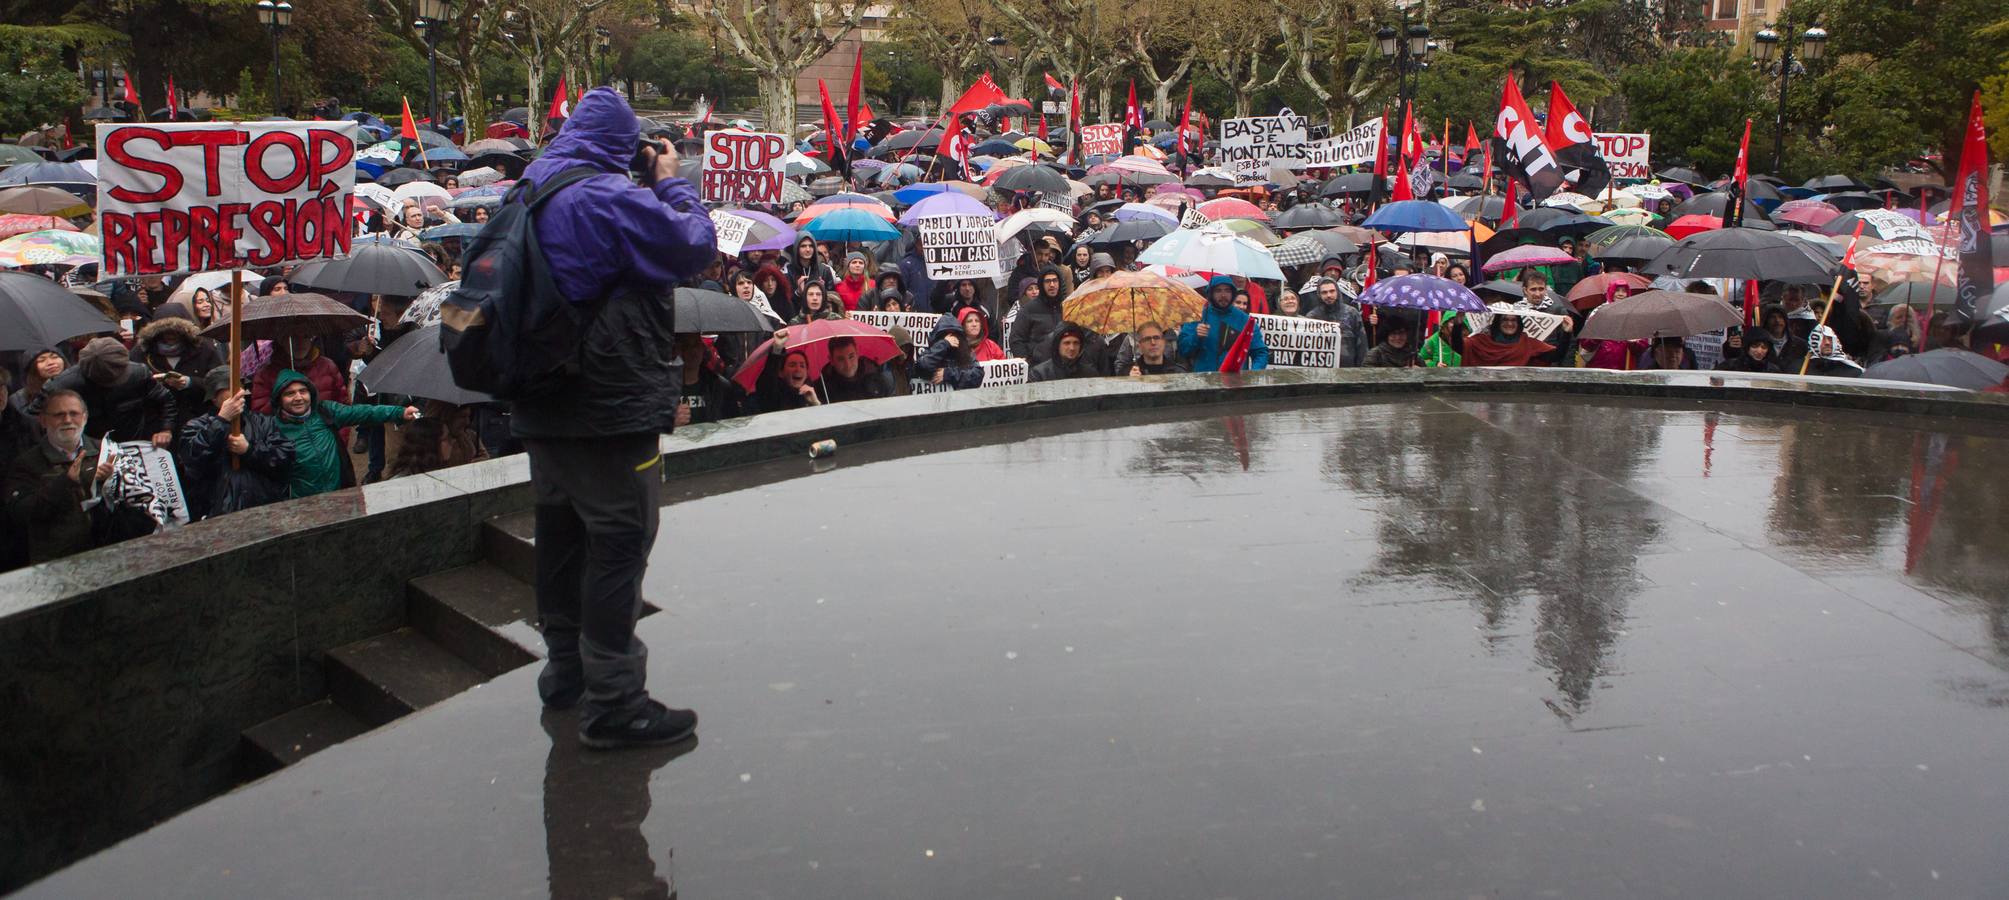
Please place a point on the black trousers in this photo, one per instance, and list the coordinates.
(598, 507)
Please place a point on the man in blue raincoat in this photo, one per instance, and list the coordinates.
(594, 464)
(1206, 342)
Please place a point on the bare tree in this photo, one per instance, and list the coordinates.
(950, 32)
(1235, 47)
(1314, 37)
(781, 38)
(464, 39)
(541, 32)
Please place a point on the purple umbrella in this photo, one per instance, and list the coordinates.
(1423, 292)
(1526, 255)
(781, 238)
(947, 203)
(868, 165)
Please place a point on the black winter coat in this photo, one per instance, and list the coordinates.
(134, 409)
(628, 378)
(213, 486)
(1032, 330)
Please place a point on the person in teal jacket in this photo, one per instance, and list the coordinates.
(312, 423)
(1205, 342)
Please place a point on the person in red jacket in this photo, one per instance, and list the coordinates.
(305, 357)
(856, 281)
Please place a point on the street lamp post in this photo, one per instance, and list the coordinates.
(604, 40)
(1767, 44)
(431, 14)
(276, 17)
(1406, 50)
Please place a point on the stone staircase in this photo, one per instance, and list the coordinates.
(462, 627)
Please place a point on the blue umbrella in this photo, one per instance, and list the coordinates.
(946, 204)
(915, 193)
(851, 225)
(995, 147)
(1416, 215)
(437, 155)
(48, 173)
(1213, 249)
(1423, 292)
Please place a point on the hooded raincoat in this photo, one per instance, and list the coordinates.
(317, 453)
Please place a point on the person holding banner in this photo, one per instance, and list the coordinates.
(225, 472)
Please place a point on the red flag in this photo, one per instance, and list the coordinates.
(852, 100)
(1051, 84)
(1733, 211)
(174, 109)
(1237, 355)
(865, 114)
(1042, 124)
(1402, 189)
(1510, 210)
(833, 131)
(1073, 118)
(1132, 116)
(1185, 118)
(1381, 149)
(981, 94)
(1570, 139)
(1969, 206)
(1471, 140)
(561, 104)
(1526, 154)
(406, 129)
(1373, 263)
(578, 94)
(132, 96)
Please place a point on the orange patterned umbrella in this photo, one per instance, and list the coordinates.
(1125, 300)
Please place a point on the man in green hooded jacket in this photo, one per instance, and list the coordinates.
(312, 424)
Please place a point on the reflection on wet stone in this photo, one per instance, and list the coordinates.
(1440, 647)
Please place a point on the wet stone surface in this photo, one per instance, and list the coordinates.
(1430, 648)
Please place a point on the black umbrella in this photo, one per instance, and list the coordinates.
(1543, 225)
(518, 114)
(1688, 177)
(415, 366)
(1467, 181)
(1308, 215)
(710, 312)
(183, 114)
(372, 269)
(279, 316)
(1832, 183)
(396, 177)
(1713, 205)
(1142, 228)
(36, 313)
(1489, 208)
(1741, 253)
(1632, 250)
(1851, 201)
(1502, 287)
(1350, 184)
(509, 164)
(1947, 366)
(1031, 178)
(107, 114)
(907, 140)
(1158, 125)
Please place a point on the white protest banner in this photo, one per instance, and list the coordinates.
(221, 195)
(144, 478)
(1537, 325)
(959, 246)
(1052, 108)
(1248, 145)
(731, 231)
(1355, 147)
(1010, 370)
(1626, 155)
(743, 167)
(917, 324)
(1297, 343)
(1102, 139)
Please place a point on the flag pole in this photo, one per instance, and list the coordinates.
(1925, 334)
(236, 351)
(1834, 298)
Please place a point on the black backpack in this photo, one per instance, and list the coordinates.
(505, 330)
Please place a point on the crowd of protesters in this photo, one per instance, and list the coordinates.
(296, 424)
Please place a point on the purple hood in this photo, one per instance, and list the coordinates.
(607, 234)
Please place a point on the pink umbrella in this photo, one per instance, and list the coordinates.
(1139, 164)
(19, 223)
(812, 340)
(1808, 213)
(1524, 256)
(1180, 189)
(1232, 208)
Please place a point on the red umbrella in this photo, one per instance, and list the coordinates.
(1808, 213)
(20, 223)
(813, 341)
(1232, 208)
(1590, 291)
(1692, 224)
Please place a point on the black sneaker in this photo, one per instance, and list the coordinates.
(655, 725)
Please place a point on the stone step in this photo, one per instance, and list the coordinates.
(508, 543)
(382, 678)
(480, 613)
(286, 739)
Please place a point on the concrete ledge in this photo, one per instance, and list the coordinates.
(127, 673)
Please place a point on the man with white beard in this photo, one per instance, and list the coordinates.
(49, 482)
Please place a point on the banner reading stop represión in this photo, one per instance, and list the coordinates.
(223, 195)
